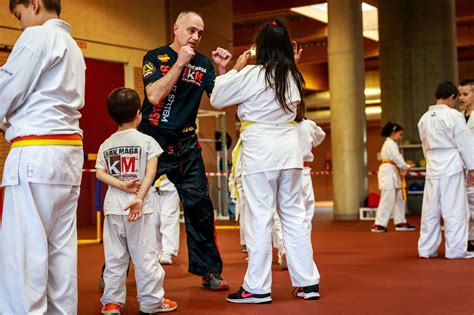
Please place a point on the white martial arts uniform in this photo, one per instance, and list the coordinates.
(41, 91)
(271, 176)
(310, 136)
(236, 190)
(470, 189)
(447, 146)
(390, 185)
(124, 155)
(166, 216)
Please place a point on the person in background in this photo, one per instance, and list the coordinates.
(466, 98)
(166, 219)
(448, 148)
(392, 182)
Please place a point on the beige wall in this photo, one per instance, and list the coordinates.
(114, 30)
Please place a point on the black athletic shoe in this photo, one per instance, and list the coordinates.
(244, 297)
(378, 228)
(308, 293)
(470, 246)
(404, 227)
(214, 282)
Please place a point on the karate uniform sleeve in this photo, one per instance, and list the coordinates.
(464, 142)
(397, 157)
(18, 78)
(316, 132)
(228, 90)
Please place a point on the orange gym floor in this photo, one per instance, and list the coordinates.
(361, 273)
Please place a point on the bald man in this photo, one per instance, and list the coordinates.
(175, 77)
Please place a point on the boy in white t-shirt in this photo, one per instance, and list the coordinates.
(127, 162)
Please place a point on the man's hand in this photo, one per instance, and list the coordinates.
(470, 177)
(185, 54)
(297, 52)
(242, 61)
(135, 208)
(131, 186)
(221, 57)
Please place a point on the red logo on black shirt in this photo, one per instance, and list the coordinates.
(194, 74)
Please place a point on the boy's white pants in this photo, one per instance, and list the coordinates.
(38, 258)
(470, 198)
(137, 240)
(166, 218)
(391, 201)
(265, 192)
(446, 198)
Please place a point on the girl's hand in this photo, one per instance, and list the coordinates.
(242, 61)
(297, 52)
(131, 186)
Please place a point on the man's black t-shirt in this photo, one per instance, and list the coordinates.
(179, 109)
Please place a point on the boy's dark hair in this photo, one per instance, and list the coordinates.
(123, 105)
(445, 90)
(389, 128)
(467, 82)
(50, 5)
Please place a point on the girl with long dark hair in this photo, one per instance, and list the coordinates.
(268, 94)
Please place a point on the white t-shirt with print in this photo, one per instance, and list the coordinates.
(124, 156)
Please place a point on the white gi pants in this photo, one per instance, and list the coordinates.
(308, 196)
(241, 208)
(137, 239)
(391, 201)
(446, 198)
(308, 200)
(39, 248)
(470, 198)
(166, 218)
(265, 192)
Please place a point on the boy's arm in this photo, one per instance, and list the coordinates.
(136, 205)
(131, 186)
(18, 81)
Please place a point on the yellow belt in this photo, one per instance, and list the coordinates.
(67, 140)
(160, 179)
(404, 182)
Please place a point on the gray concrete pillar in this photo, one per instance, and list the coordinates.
(348, 127)
(417, 51)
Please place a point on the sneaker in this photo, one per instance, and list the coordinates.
(101, 284)
(244, 249)
(111, 308)
(308, 293)
(167, 306)
(282, 260)
(378, 229)
(214, 282)
(165, 258)
(470, 246)
(244, 297)
(404, 227)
